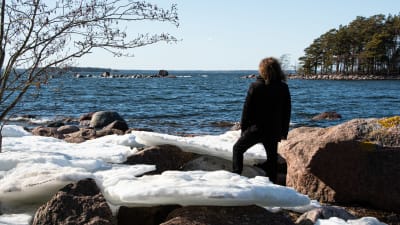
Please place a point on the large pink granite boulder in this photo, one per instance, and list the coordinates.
(354, 162)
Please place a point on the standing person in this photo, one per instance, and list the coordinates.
(265, 116)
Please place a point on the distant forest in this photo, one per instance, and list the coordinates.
(366, 46)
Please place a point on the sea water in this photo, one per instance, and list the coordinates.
(202, 102)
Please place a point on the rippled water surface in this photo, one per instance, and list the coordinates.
(202, 102)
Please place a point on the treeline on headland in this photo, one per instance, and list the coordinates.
(366, 46)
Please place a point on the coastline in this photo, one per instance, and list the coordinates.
(106, 150)
(342, 77)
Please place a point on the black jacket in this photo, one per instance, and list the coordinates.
(267, 109)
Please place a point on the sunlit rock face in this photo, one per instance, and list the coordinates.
(77, 203)
(354, 162)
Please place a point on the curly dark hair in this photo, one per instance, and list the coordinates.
(270, 69)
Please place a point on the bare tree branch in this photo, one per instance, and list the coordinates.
(37, 35)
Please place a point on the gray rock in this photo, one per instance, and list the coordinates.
(103, 118)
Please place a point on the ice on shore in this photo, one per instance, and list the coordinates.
(214, 145)
(33, 168)
(361, 221)
(15, 219)
(14, 131)
(201, 188)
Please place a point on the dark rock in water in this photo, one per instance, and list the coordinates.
(118, 125)
(162, 73)
(223, 124)
(87, 116)
(77, 203)
(249, 76)
(165, 157)
(106, 74)
(327, 116)
(103, 118)
(324, 212)
(217, 215)
(28, 116)
(144, 215)
(353, 162)
(55, 124)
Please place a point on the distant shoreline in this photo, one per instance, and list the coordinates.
(342, 77)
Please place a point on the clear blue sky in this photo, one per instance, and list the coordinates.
(236, 34)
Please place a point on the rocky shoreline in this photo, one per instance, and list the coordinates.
(350, 168)
(160, 74)
(342, 77)
(333, 77)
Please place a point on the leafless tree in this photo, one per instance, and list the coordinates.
(285, 61)
(38, 35)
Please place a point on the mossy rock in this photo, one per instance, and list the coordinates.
(390, 122)
(387, 133)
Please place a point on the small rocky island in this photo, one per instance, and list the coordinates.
(108, 74)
